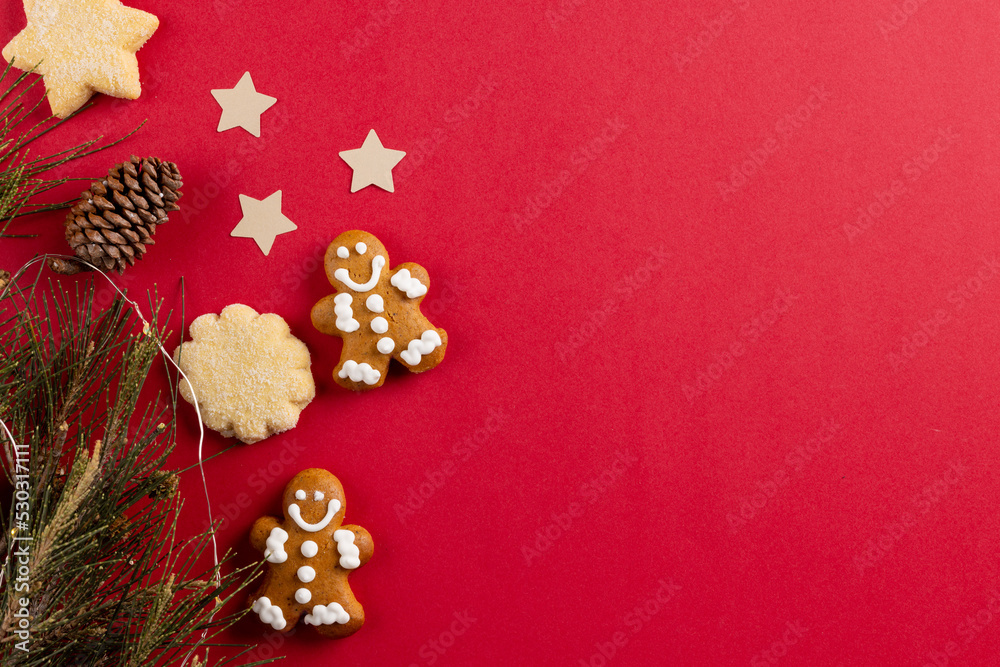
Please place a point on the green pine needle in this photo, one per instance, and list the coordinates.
(110, 582)
(21, 180)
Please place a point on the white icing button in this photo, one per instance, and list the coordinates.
(306, 574)
(375, 303)
(317, 495)
(361, 248)
(386, 345)
(380, 325)
(303, 595)
(343, 252)
(309, 549)
(300, 495)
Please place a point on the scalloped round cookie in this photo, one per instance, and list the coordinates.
(250, 374)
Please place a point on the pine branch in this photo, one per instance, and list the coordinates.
(109, 581)
(21, 180)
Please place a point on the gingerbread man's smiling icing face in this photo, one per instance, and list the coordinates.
(359, 268)
(314, 510)
(376, 310)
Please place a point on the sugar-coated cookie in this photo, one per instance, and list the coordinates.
(252, 377)
(309, 555)
(81, 47)
(377, 312)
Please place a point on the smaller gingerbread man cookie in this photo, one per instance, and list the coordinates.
(377, 312)
(309, 555)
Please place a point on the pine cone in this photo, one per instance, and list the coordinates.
(116, 218)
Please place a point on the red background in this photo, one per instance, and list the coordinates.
(591, 290)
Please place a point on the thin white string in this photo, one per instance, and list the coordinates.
(201, 427)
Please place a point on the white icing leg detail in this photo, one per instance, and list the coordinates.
(360, 372)
(275, 551)
(350, 555)
(404, 282)
(269, 613)
(420, 346)
(328, 615)
(344, 313)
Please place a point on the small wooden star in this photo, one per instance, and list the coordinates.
(242, 106)
(372, 163)
(262, 221)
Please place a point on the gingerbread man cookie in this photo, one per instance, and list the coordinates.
(377, 312)
(309, 556)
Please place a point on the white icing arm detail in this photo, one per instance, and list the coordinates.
(350, 555)
(332, 508)
(328, 615)
(404, 282)
(359, 372)
(269, 613)
(420, 346)
(275, 551)
(345, 277)
(344, 313)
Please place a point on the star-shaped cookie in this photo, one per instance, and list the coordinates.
(81, 47)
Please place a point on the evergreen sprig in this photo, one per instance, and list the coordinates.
(21, 177)
(108, 581)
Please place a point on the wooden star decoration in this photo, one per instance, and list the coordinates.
(81, 47)
(372, 163)
(242, 106)
(262, 221)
